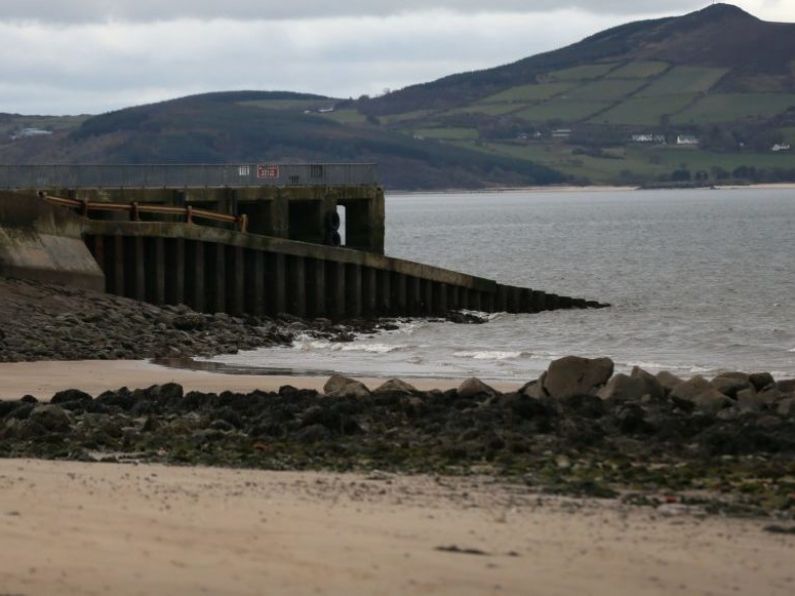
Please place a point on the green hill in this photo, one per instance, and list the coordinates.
(719, 75)
(708, 95)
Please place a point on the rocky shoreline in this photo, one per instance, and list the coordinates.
(46, 322)
(722, 445)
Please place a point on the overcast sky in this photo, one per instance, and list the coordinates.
(90, 56)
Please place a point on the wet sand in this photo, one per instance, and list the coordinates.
(73, 528)
(43, 379)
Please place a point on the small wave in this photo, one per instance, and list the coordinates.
(489, 355)
(792, 350)
(646, 365)
(372, 348)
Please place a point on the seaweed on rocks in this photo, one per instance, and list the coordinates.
(581, 445)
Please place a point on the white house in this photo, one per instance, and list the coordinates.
(782, 147)
(686, 140)
(643, 138)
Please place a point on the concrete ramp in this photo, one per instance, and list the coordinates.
(41, 242)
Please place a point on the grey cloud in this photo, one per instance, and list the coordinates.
(93, 68)
(86, 11)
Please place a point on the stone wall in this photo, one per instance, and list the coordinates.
(44, 243)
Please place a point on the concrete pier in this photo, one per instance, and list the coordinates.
(218, 270)
(267, 246)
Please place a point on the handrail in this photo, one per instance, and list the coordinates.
(135, 209)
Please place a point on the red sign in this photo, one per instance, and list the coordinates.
(266, 171)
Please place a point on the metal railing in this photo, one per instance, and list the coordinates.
(136, 209)
(40, 177)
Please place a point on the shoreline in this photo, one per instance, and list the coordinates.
(44, 379)
(580, 189)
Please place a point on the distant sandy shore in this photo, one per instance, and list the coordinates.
(75, 528)
(43, 379)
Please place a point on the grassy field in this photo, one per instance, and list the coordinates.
(649, 162)
(685, 79)
(728, 107)
(581, 73)
(638, 70)
(345, 117)
(529, 93)
(396, 118)
(644, 110)
(561, 109)
(789, 135)
(448, 134)
(492, 109)
(289, 104)
(604, 90)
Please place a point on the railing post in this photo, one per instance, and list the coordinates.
(189, 214)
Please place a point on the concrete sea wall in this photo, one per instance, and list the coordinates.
(44, 243)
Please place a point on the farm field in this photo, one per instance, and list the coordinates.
(644, 111)
(685, 79)
(638, 70)
(630, 163)
(561, 109)
(580, 73)
(729, 107)
(605, 90)
(448, 134)
(529, 93)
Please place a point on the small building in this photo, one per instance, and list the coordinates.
(30, 132)
(643, 138)
(561, 133)
(686, 140)
(780, 147)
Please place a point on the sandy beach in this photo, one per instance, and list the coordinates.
(43, 379)
(74, 528)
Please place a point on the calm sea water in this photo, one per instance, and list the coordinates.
(700, 281)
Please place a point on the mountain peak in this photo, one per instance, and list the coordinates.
(720, 10)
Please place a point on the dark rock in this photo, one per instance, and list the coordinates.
(52, 418)
(653, 387)
(786, 386)
(395, 386)
(761, 380)
(535, 389)
(189, 322)
(20, 410)
(589, 406)
(573, 375)
(70, 395)
(313, 434)
(473, 387)
(786, 407)
(631, 419)
(340, 386)
(526, 407)
(712, 401)
(749, 401)
(688, 390)
(463, 318)
(29, 399)
(668, 380)
(624, 388)
(731, 383)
